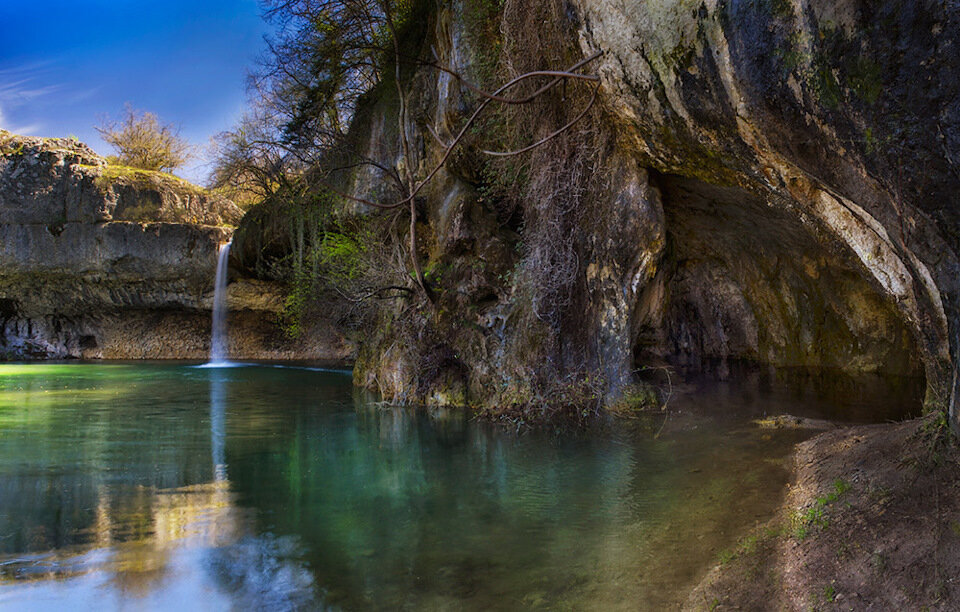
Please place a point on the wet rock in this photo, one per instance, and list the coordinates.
(786, 421)
(806, 153)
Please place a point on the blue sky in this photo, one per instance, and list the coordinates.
(65, 64)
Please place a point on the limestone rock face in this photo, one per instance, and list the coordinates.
(780, 187)
(807, 157)
(55, 181)
(768, 181)
(98, 261)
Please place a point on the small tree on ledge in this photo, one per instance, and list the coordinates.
(143, 142)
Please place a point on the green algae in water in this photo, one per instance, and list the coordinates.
(158, 486)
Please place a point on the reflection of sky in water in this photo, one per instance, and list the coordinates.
(180, 548)
(165, 487)
(200, 554)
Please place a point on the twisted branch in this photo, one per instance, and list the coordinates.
(593, 98)
(559, 76)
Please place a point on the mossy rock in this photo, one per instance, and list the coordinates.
(637, 398)
(146, 196)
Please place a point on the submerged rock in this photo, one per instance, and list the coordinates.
(787, 421)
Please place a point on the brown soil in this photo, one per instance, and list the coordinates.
(871, 521)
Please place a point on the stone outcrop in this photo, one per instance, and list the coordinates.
(806, 154)
(58, 181)
(779, 186)
(100, 261)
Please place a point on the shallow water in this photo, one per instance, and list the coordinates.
(166, 486)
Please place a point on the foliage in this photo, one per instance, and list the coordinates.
(336, 266)
(746, 546)
(338, 107)
(144, 179)
(142, 141)
(937, 439)
(324, 56)
(9, 146)
(830, 593)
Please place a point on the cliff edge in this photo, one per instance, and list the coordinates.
(105, 261)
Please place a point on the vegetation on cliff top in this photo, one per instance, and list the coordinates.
(142, 141)
(16, 145)
(145, 179)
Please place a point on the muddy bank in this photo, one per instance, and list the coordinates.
(871, 520)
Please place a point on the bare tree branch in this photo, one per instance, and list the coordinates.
(488, 98)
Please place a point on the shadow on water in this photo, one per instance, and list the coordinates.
(280, 488)
(745, 390)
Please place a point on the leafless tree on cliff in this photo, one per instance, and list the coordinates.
(142, 141)
(326, 55)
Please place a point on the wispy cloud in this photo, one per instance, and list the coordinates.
(21, 86)
(29, 129)
(31, 70)
(24, 91)
(83, 94)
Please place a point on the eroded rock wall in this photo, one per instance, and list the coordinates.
(104, 262)
(769, 180)
(839, 121)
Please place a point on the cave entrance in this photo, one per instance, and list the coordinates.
(757, 295)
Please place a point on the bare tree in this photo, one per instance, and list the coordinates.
(143, 142)
(251, 159)
(325, 55)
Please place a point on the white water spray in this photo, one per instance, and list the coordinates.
(218, 337)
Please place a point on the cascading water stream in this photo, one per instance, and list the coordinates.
(218, 337)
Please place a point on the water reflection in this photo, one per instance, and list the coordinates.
(427, 510)
(104, 534)
(164, 486)
(752, 390)
(218, 425)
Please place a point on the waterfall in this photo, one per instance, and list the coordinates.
(218, 334)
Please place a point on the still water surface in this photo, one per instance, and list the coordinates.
(165, 486)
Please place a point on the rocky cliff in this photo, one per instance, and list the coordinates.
(765, 180)
(805, 155)
(101, 261)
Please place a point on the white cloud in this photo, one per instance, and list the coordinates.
(31, 68)
(20, 92)
(18, 88)
(6, 122)
(31, 129)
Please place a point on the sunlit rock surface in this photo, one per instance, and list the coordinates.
(101, 261)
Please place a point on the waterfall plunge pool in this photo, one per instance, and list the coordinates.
(168, 486)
